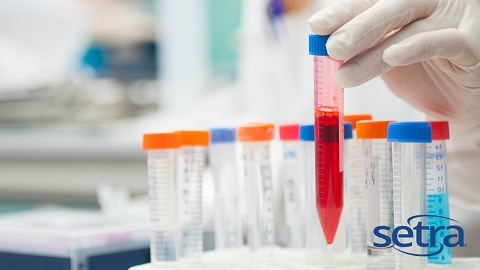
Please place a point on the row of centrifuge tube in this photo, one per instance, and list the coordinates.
(397, 179)
(176, 162)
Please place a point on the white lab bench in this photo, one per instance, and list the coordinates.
(285, 259)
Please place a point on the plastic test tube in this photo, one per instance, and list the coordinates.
(356, 189)
(293, 185)
(409, 141)
(228, 222)
(315, 241)
(317, 251)
(255, 140)
(191, 165)
(161, 154)
(328, 137)
(377, 157)
(437, 192)
(341, 239)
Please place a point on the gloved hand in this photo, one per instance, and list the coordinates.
(427, 51)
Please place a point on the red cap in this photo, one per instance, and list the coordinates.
(440, 130)
(289, 132)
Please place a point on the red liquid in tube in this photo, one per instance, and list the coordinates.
(328, 170)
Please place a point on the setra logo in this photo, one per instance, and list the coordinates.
(403, 236)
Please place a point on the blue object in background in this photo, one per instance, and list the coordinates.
(94, 57)
(307, 133)
(109, 62)
(348, 130)
(223, 135)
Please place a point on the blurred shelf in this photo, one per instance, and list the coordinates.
(67, 166)
(51, 144)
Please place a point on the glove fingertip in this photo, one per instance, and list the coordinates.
(320, 25)
(396, 55)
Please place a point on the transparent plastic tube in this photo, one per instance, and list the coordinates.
(356, 189)
(161, 158)
(376, 156)
(437, 190)
(228, 222)
(259, 188)
(191, 165)
(409, 181)
(293, 179)
(329, 137)
(317, 251)
(341, 238)
(356, 198)
(315, 241)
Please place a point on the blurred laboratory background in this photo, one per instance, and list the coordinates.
(82, 80)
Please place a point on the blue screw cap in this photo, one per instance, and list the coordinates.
(223, 135)
(307, 133)
(316, 45)
(414, 132)
(348, 130)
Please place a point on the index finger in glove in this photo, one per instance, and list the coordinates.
(447, 43)
(329, 19)
(452, 44)
(370, 63)
(368, 28)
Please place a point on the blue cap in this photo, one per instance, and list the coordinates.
(348, 130)
(316, 45)
(307, 133)
(223, 135)
(414, 132)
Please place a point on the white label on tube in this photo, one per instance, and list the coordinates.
(372, 193)
(291, 192)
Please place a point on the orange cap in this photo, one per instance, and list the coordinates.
(255, 132)
(155, 141)
(354, 118)
(372, 129)
(194, 137)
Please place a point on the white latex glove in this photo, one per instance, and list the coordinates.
(427, 50)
